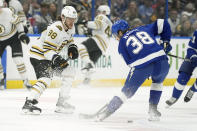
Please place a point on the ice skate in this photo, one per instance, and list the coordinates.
(88, 67)
(29, 107)
(189, 95)
(27, 84)
(154, 114)
(99, 116)
(2, 84)
(103, 114)
(63, 106)
(170, 102)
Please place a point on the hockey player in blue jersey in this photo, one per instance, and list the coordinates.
(146, 58)
(185, 72)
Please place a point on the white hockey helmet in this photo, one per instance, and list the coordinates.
(69, 11)
(104, 8)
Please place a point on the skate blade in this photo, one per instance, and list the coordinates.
(27, 112)
(64, 112)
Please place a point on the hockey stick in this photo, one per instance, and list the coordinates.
(92, 116)
(179, 57)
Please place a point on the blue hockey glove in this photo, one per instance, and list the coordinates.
(166, 46)
(194, 61)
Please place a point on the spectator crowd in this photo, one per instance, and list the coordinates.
(182, 14)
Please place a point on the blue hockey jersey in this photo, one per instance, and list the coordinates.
(139, 46)
(192, 48)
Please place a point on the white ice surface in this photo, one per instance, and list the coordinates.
(180, 117)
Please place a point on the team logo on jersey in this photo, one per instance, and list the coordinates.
(2, 29)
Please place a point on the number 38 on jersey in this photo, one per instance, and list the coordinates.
(137, 41)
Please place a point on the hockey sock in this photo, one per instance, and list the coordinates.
(39, 88)
(154, 96)
(176, 93)
(182, 80)
(20, 67)
(114, 104)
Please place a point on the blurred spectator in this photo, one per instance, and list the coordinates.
(159, 4)
(159, 13)
(194, 26)
(34, 7)
(132, 12)
(194, 17)
(118, 7)
(185, 29)
(136, 22)
(146, 11)
(26, 6)
(173, 20)
(189, 8)
(53, 11)
(42, 19)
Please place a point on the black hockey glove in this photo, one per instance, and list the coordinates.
(23, 37)
(59, 63)
(25, 29)
(73, 51)
(166, 46)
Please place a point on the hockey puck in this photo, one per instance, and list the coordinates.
(130, 121)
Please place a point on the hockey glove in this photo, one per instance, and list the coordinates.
(73, 51)
(59, 63)
(25, 29)
(23, 37)
(194, 61)
(166, 46)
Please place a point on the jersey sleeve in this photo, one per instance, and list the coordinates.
(96, 24)
(50, 45)
(123, 51)
(162, 27)
(17, 22)
(192, 46)
(21, 13)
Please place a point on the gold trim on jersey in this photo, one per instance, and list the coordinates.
(48, 48)
(97, 25)
(44, 83)
(2, 29)
(98, 21)
(84, 56)
(82, 50)
(64, 43)
(102, 42)
(59, 27)
(16, 21)
(12, 32)
(51, 44)
(36, 90)
(37, 51)
(21, 14)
